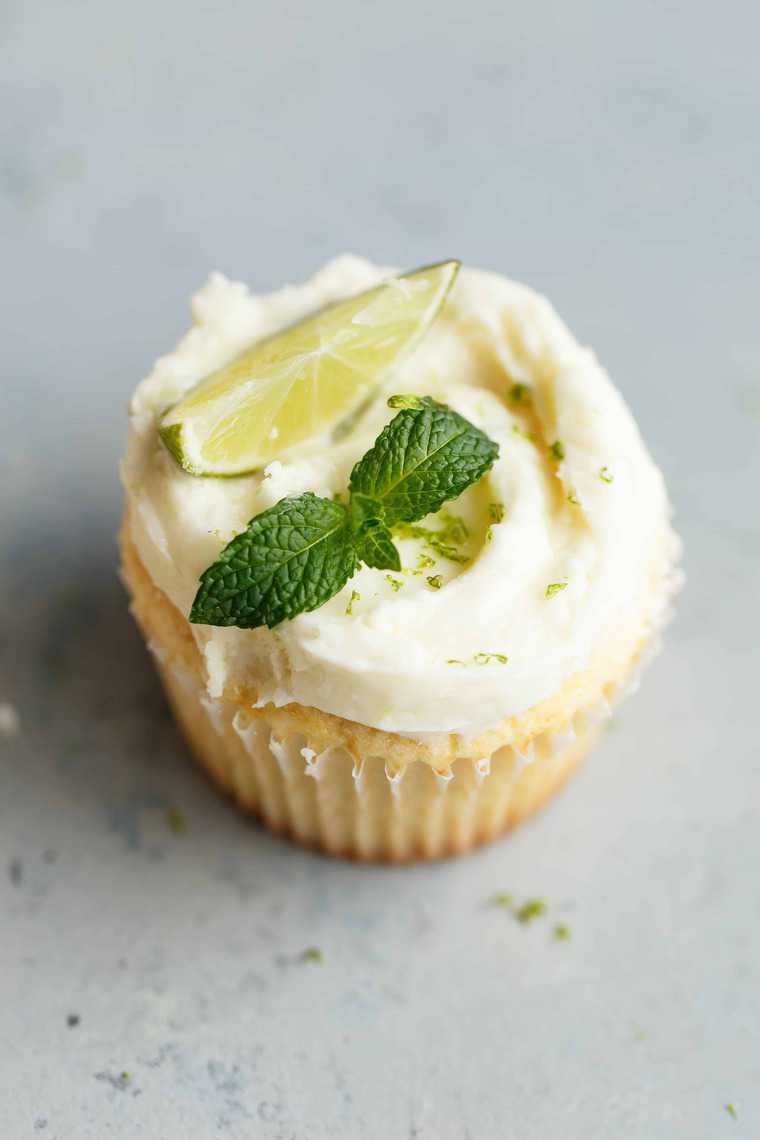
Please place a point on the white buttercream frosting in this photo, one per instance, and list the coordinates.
(388, 663)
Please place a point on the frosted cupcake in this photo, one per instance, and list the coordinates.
(395, 563)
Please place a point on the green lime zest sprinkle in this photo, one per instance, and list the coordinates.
(558, 450)
(444, 541)
(355, 597)
(606, 475)
(496, 512)
(455, 528)
(312, 954)
(561, 932)
(518, 429)
(530, 909)
(731, 1110)
(176, 821)
(394, 583)
(554, 588)
(573, 498)
(416, 403)
(481, 659)
(519, 394)
(501, 899)
(424, 562)
(435, 581)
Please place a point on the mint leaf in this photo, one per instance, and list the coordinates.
(375, 547)
(290, 559)
(426, 455)
(372, 539)
(363, 509)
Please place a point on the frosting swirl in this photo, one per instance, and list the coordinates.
(564, 541)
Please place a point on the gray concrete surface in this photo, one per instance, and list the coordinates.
(607, 153)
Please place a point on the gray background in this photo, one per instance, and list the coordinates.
(607, 153)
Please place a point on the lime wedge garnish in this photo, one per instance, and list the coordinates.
(301, 382)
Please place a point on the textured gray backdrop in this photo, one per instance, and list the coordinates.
(607, 153)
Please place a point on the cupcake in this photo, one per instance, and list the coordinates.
(396, 546)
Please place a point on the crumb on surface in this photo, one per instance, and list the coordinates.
(9, 720)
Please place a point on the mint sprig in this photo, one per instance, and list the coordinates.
(295, 556)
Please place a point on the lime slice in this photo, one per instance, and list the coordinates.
(301, 382)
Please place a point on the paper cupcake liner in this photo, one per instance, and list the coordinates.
(356, 807)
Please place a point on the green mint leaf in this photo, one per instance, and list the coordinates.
(372, 538)
(290, 559)
(425, 456)
(375, 547)
(364, 509)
